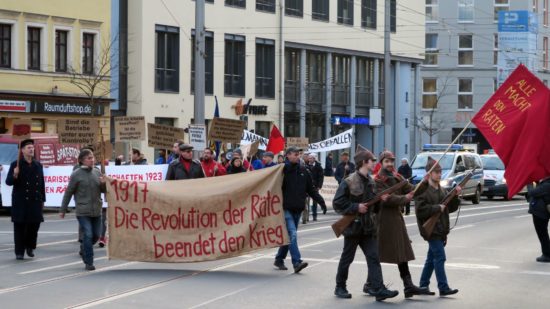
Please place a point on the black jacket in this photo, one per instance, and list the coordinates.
(176, 171)
(405, 171)
(328, 167)
(538, 198)
(351, 192)
(317, 175)
(29, 192)
(297, 183)
(341, 172)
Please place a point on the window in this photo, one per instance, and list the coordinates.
(545, 12)
(315, 79)
(5, 46)
(365, 82)
(429, 93)
(262, 128)
(33, 48)
(368, 14)
(238, 3)
(545, 53)
(465, 50)
(495, 49)
(465, 11)
(234, 78)
(265, 68)
(345, 12)
(88, 53)
(341, 80)
(320, 10)
(265, 5)
(432, 52)
(501, 5)
(208, 62)
(465, 93)
(61, 51)
(38, 125)
(393, 15)
(167, 58)
(535, 6)
(292, 76)
(294, 7)
(432, 11)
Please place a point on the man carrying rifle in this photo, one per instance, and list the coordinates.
(427, 204)
(394, 243)
(351, 199)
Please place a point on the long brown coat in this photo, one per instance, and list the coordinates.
(393, 240)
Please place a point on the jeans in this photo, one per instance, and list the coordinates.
(369, 246)
(25, 236)
(292, 220)
(91, 228)
(541, 227)
(435, 261)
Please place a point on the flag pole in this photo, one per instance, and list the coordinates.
(444, 153)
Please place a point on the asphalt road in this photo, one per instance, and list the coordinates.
(490, 259)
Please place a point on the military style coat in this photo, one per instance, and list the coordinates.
(393, 240)
(426, 204)
(29, 192)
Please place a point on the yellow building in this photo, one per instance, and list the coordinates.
(52, 53)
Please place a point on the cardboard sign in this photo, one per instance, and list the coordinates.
(163, 137)
(196, 220)
(300, 142)
(78, 131)
(226, 130)
(197, 136)
(21, 129)
(129, 128)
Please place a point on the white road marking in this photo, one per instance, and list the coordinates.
(523, 216)
(46, 244)
(56, 267)
(43, 232)
(539, 273)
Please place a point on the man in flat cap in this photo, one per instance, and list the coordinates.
(350, 199)
(26, 175)
(268, 157)
(427, 203)
(185, 167)
(296, 185)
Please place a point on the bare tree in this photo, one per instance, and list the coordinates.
(434, 125)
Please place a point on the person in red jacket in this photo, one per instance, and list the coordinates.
(210, 166)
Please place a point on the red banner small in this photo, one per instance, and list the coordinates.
(516, 122)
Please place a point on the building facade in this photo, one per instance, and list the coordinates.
(459, 73)
(46, 49)
(313, 68)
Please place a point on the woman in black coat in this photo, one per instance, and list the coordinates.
(28, 197)
(539, 198)
(236, 166)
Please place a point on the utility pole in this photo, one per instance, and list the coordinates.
(388, 106)
(199, 67)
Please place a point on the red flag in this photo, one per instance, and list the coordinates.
(516, 122)
(276, 141)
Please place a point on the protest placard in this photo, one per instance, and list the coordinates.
(197, 136)
(226, 130)
(161, 136)
(129, 128)
(78, 131)
(299, 142)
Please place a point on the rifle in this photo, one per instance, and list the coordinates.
(429, 225)
(339, 226)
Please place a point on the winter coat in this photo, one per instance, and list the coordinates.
(426, 203)
(209, 166)
(394, 243)
(405, 171)
(86, 188)
(341, 172)
(176, 171)
(297, 184)
(538, 198)
(317, 175)
(328, 167)
(29, 192)
(351, 192)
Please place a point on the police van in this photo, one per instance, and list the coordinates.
(454, 164)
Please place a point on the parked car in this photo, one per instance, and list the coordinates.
(494, 183)
(454, 164)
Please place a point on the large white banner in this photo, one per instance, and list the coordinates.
(340, 141)
(249, 138)
(57, 178)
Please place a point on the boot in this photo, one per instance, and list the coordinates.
(383, 293)
(411, 289)
(341, 292)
